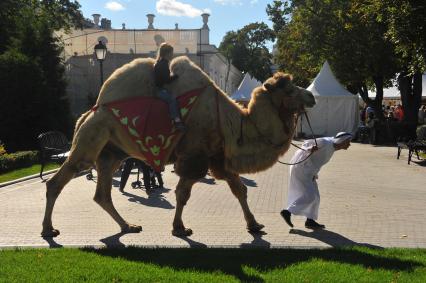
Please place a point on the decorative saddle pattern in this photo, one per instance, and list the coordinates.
(148, 123)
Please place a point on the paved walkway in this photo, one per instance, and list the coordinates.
(367, 197)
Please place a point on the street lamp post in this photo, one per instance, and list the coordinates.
(100, 52)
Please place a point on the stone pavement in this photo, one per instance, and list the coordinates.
(368, 197)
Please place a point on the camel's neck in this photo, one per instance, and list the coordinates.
(265, 122)
(264, 137)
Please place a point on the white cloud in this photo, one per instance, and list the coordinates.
(176, 8)
(253, 2)
(114, 6)
(230, 2)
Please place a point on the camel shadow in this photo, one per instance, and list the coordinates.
(208, 181)
(113, 241)
(236, 261)
(154, 199)
(248, 182)
(257, 241)
(192, 243)
(52, 243)
(331, 238)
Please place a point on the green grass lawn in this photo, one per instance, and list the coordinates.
(23, 172)
(358, 264)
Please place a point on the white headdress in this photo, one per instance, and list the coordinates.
(341, 137)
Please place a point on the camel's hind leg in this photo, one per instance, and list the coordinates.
(82, 157)
(240, 192)
(106, 165)
(54, 187)
(183, 192)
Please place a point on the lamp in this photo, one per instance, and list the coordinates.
(100, 52)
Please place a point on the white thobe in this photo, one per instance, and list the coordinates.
(303, 195)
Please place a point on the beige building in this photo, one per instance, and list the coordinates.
(124, 45)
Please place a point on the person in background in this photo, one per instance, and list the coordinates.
(129, 164)
(162, 78)
(303, 194)
(398, 113)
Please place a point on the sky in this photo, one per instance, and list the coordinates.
(225, 15)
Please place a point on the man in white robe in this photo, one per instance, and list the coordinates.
(303, 195)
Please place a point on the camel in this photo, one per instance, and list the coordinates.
(221, 137)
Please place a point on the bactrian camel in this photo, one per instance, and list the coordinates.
(221, 137)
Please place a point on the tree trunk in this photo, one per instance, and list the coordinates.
(378, 112)
(376, 104)
(410, 87)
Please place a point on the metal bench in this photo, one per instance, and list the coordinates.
(54, 146)
(413, 147)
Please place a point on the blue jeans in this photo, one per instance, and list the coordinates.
(171, 101)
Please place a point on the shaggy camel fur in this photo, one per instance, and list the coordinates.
(220, 137)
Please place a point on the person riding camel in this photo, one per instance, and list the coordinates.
(162, 77)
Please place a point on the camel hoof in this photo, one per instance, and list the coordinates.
(182, 232)
(50, 233)
(255, 228)
(131, 229)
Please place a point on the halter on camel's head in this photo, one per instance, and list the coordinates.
(287, 97)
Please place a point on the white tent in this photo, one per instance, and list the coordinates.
(243, 93)
(336, 109)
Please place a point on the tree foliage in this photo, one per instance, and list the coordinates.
(366, 43)
(246, 49)
(32, 83)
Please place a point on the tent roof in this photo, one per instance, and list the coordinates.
(326, 84)
(393, 92)
(243, 93)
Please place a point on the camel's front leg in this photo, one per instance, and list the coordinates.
(106, 165)
(183, 192)
(240, 191)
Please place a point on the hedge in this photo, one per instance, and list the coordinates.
(12, 161)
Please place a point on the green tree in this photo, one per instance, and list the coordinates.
(343, 32)
(366, 43)
(33, 88)
(247, 50)
(406, 25)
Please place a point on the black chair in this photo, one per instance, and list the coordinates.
(54, 146)
(413, 146)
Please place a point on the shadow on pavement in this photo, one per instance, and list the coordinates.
(52, 243)
(257, 241)
(248, 182)
(208, 181)
(192, 243)
(331, 238)
(155, 198)
(113, 241)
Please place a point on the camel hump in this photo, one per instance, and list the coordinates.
(132, 79)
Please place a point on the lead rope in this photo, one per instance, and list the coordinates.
(312, 150)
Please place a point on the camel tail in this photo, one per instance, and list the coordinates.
(80, 121)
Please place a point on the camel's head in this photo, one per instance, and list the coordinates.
(285, 94)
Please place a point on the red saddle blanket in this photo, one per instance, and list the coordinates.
(148, 123)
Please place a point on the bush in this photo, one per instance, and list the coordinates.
(2, 148)
(12, 161)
